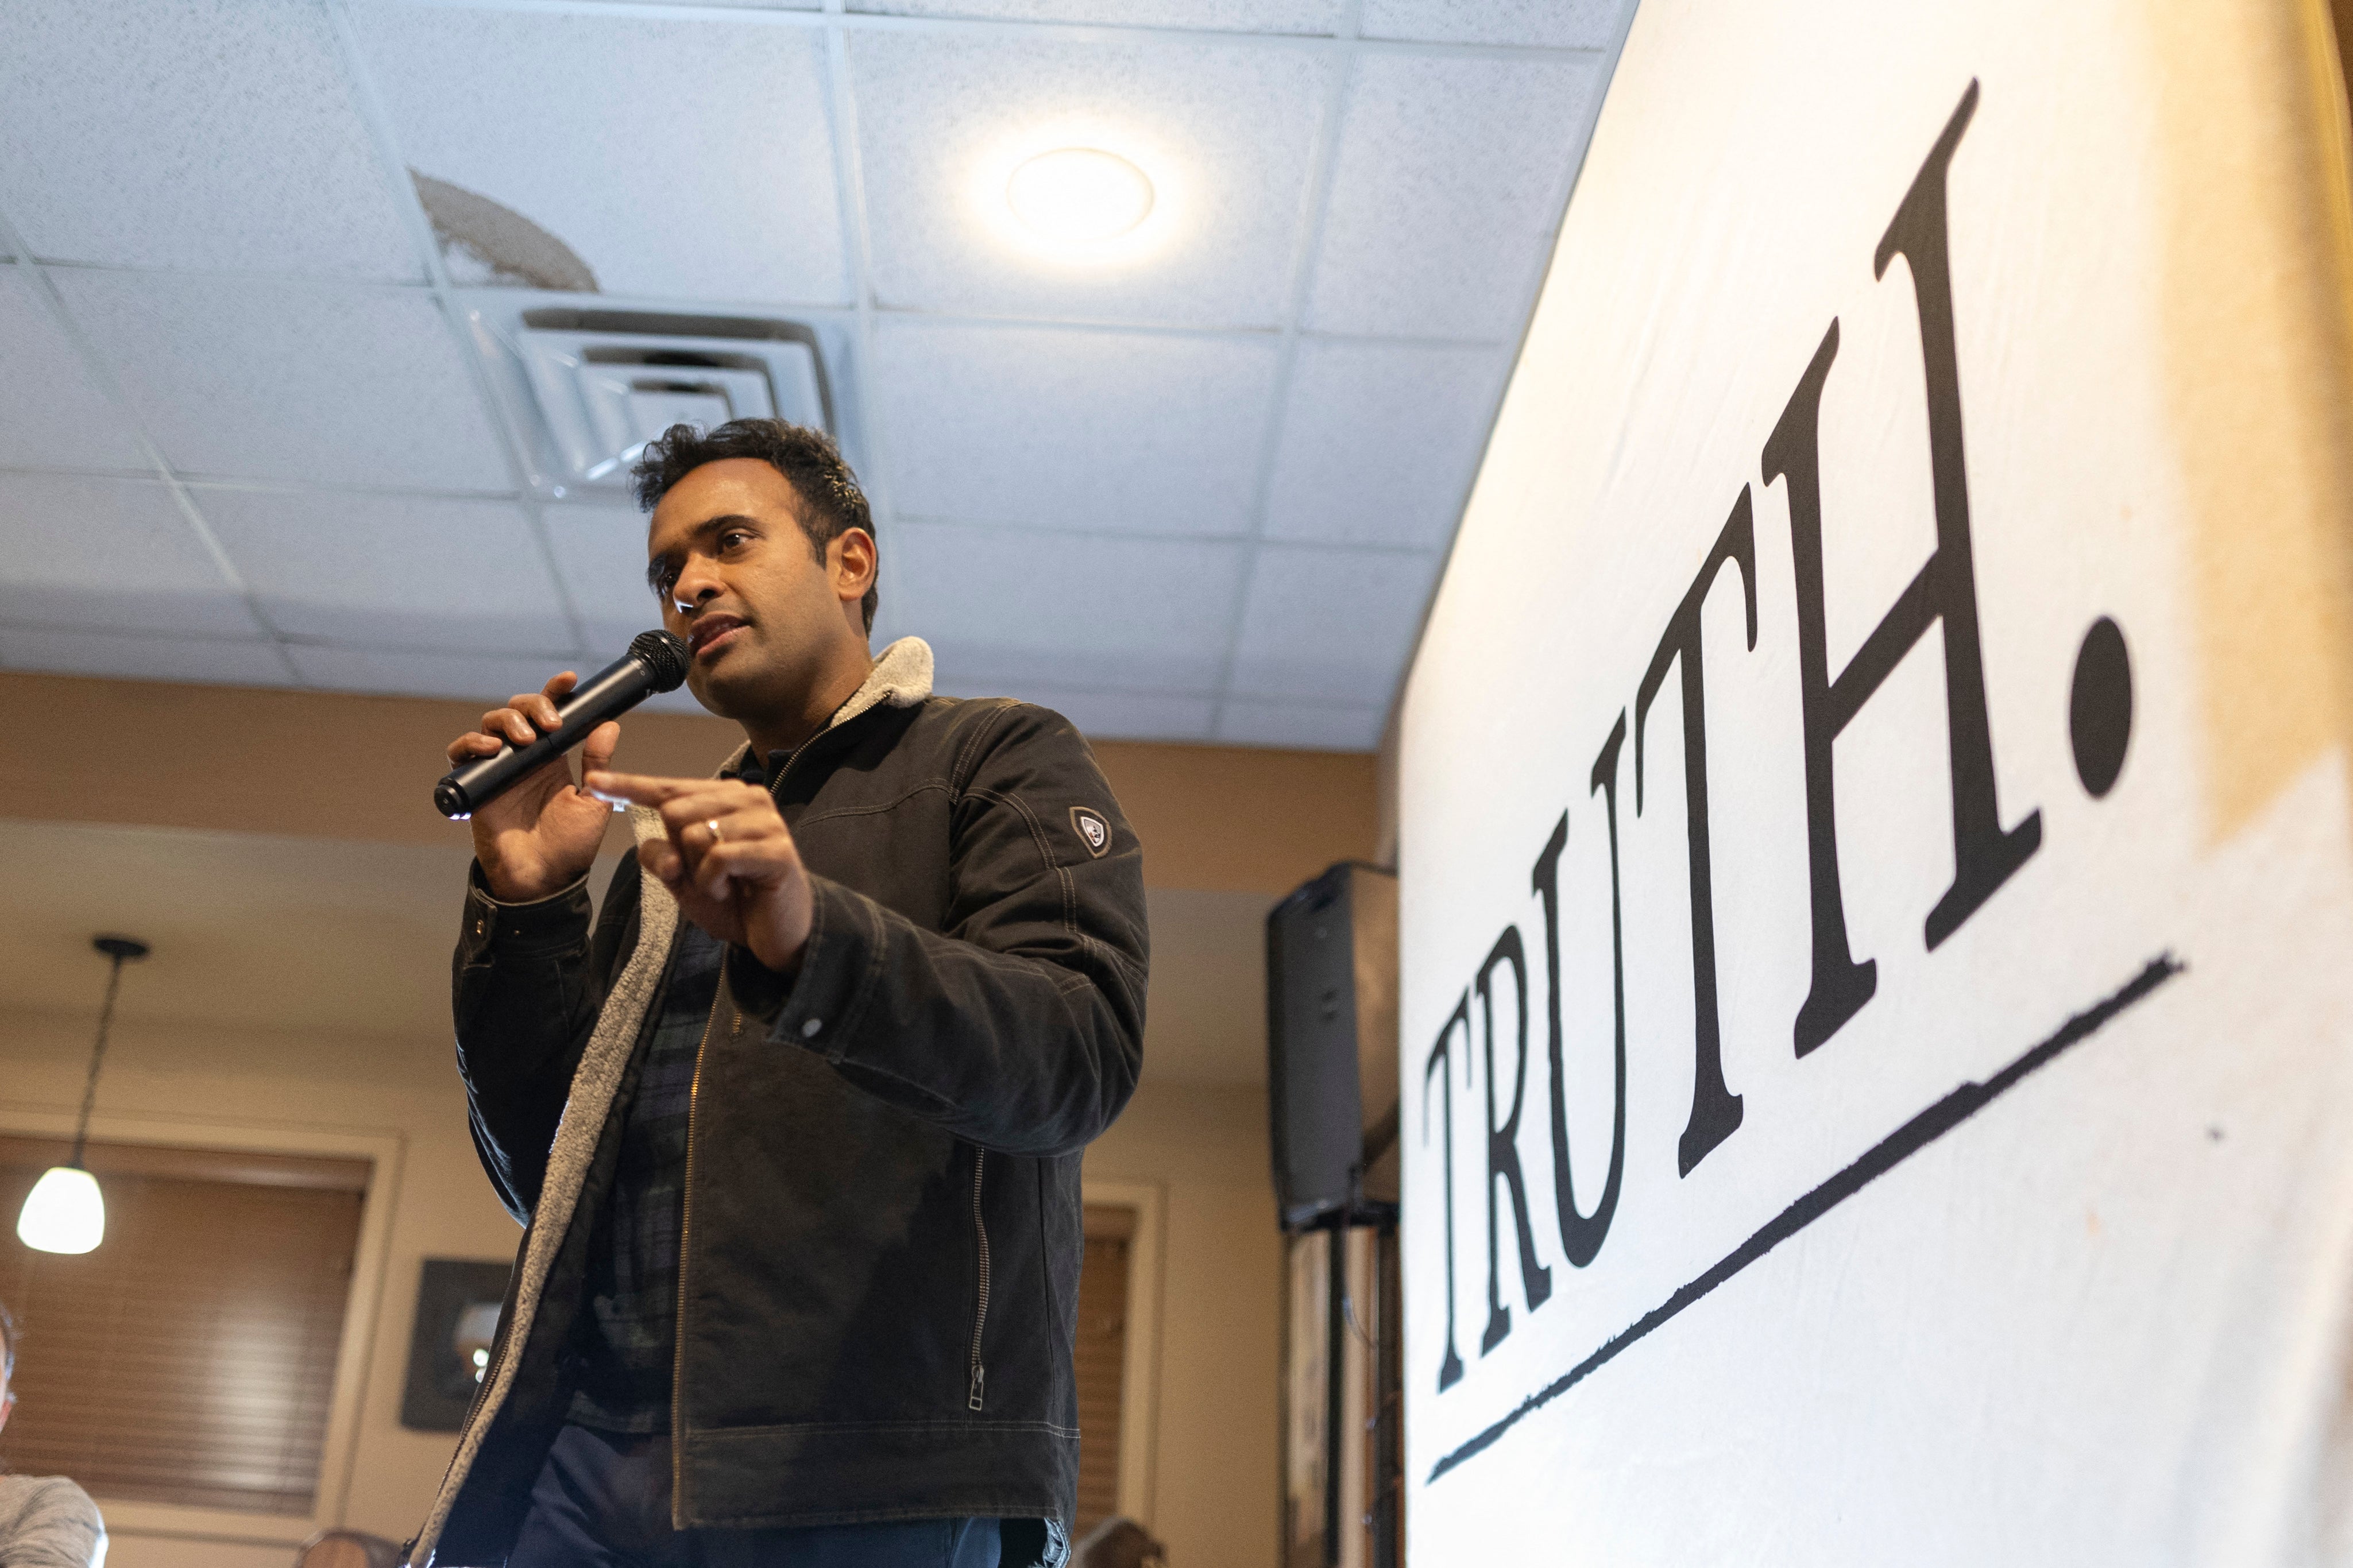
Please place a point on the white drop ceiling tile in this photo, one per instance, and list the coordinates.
(1305, 726)
(1006, 607)
(300, 382)
(600, 554)
(80, 551)
(1330, 626)
(1381, 440)
(192, 133)
(689, 158)
(487, 679)
(1451, 178)
(52, 414)
(1105, 715)
(1224, 132)
(1319, 18)
(1116, 432)
(205, 661)
(724, 4)
(398, 571)
(1547, 24)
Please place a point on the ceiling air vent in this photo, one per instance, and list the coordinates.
(604, 382)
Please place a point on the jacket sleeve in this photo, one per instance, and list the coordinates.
(528, 987)
(1020, 1027)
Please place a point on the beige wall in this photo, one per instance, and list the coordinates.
(1202, 1145)
(1216, 1489)
(355, 767)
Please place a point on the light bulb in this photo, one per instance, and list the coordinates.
(64, 1212)
(1079, 195)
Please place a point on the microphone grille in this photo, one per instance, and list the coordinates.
(664, 656)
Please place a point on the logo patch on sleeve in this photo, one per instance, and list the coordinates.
(1092, 830)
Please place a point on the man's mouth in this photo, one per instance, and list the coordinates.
(713, 633)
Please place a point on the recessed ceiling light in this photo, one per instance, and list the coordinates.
(1079, 195)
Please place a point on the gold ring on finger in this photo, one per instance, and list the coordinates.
(715, 834)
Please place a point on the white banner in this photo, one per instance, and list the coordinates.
(1877, 906)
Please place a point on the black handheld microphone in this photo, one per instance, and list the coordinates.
(655, 661)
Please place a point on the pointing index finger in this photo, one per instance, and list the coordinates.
(638, 789)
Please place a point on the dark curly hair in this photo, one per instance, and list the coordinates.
(832, 502)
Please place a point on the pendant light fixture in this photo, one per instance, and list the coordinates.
(64, 1212)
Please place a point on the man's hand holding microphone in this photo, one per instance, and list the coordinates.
(541, 834)
(727, 857)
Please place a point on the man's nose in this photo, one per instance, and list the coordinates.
(697, 583)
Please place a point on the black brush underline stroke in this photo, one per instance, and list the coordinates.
(1876, 1162)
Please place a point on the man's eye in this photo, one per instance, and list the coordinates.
(730, 539)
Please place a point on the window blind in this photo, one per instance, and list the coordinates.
(191, 1358)
(1100, 1356)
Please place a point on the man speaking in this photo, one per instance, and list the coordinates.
(794, 1128)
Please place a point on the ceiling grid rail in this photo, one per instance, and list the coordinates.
(849, 186)
(101, 374)
(411, 209)
(829, 15)
(1538, 267)
(1147, 535)
(1324, 160)
(1316, 553)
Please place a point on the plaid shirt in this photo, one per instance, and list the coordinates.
(626, 1337)
(626, 1341)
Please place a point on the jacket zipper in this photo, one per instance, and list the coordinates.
(686, 1222)
(685, 1226)
(980, 1313)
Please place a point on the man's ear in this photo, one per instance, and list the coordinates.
(850, 560)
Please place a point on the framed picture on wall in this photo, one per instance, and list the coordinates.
(457, 1304)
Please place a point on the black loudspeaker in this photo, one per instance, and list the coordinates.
(1332, 1050)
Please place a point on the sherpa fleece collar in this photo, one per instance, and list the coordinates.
(901, 678)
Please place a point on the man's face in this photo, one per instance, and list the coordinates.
(739, 582)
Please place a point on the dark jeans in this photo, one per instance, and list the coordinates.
(602, 1500)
